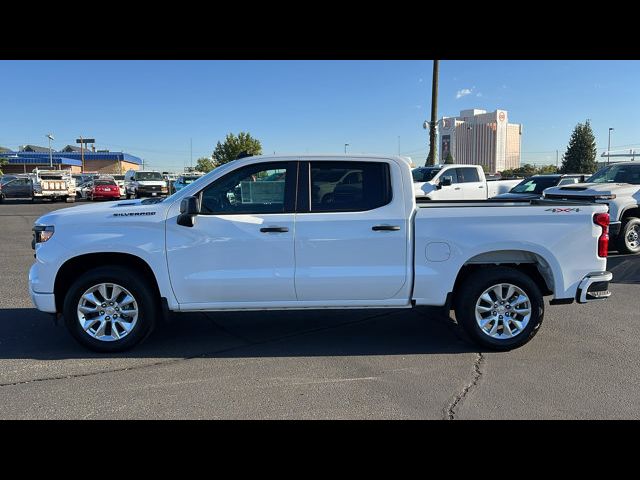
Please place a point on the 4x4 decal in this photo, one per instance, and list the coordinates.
(562, 210)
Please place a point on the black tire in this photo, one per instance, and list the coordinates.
(1, 198)
(476, 284)
(622, 240)
(131, 280)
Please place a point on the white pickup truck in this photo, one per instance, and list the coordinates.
(255, 234)
(457, 182)
(618, 187)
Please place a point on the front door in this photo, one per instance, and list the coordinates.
(18, 188)
(241, 248)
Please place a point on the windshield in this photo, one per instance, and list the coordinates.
(148, 176)
(535, 184)
(187, 180)
(424, 174)
(617, 174)
(104, 182)
(118, 177)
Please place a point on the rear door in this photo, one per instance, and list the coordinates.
(470, 183)
(351, 237)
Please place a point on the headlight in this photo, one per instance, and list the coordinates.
(42, 233)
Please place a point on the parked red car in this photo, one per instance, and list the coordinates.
(107, 189)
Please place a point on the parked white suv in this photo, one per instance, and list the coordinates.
(618, 186)
(144, 183)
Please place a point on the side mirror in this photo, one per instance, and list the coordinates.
(189, 208)
(445, 182)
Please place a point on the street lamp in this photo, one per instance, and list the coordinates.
(50, 137)
(609, 147)
(345, 148)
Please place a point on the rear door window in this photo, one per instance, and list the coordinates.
(467, 175)
(349, 186)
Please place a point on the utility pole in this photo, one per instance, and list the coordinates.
(82, 152)
(50, 137)
(345, 148)
(609, 147)
(557, 166)
(431, 159)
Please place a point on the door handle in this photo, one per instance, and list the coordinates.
(274, 229)
(457, 188)
(481, 186)
(378, 228)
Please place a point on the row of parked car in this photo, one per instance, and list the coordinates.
(616, 185)
(62, 184)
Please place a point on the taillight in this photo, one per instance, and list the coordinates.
(602, 219)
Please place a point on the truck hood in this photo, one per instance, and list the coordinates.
(105, 212)
(591, 189)
(152, 183)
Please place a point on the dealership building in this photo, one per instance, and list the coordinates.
(476, 137)
(103, 162)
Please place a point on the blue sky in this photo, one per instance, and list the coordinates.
(153, 108)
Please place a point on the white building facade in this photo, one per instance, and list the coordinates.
(476, 137)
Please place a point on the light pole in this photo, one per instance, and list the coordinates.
(345, 148)
(609, 146)
(50, 137)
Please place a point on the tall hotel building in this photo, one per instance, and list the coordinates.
(480, 138)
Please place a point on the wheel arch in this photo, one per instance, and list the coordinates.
(76, 266)
(527, 262)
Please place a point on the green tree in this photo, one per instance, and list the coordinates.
(449, 159)
(485, 169)
(3, 162)
(234, 145)
(580, 156)
(205, 164)
(547, 169)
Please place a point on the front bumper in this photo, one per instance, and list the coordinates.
(595, 286)
(45, 302)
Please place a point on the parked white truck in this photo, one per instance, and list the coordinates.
(618, 187)
(457, 182)
(255, 234)
(53, 185)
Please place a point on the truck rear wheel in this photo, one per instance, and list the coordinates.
(110, 309)
(628, 240)
(499, 308)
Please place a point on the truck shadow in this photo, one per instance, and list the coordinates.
(625, 268)
(30, 334)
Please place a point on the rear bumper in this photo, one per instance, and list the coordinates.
(595, 286)
(614, 228)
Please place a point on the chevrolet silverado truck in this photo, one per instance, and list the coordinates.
(617, 186)
(254, 234)
(457, 182)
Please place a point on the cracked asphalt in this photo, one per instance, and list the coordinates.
(352, 364)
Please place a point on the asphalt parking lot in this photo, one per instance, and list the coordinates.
(353, 364)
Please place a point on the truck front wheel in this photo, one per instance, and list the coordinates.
(628, 240)
(110, 309)
(499, 308)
